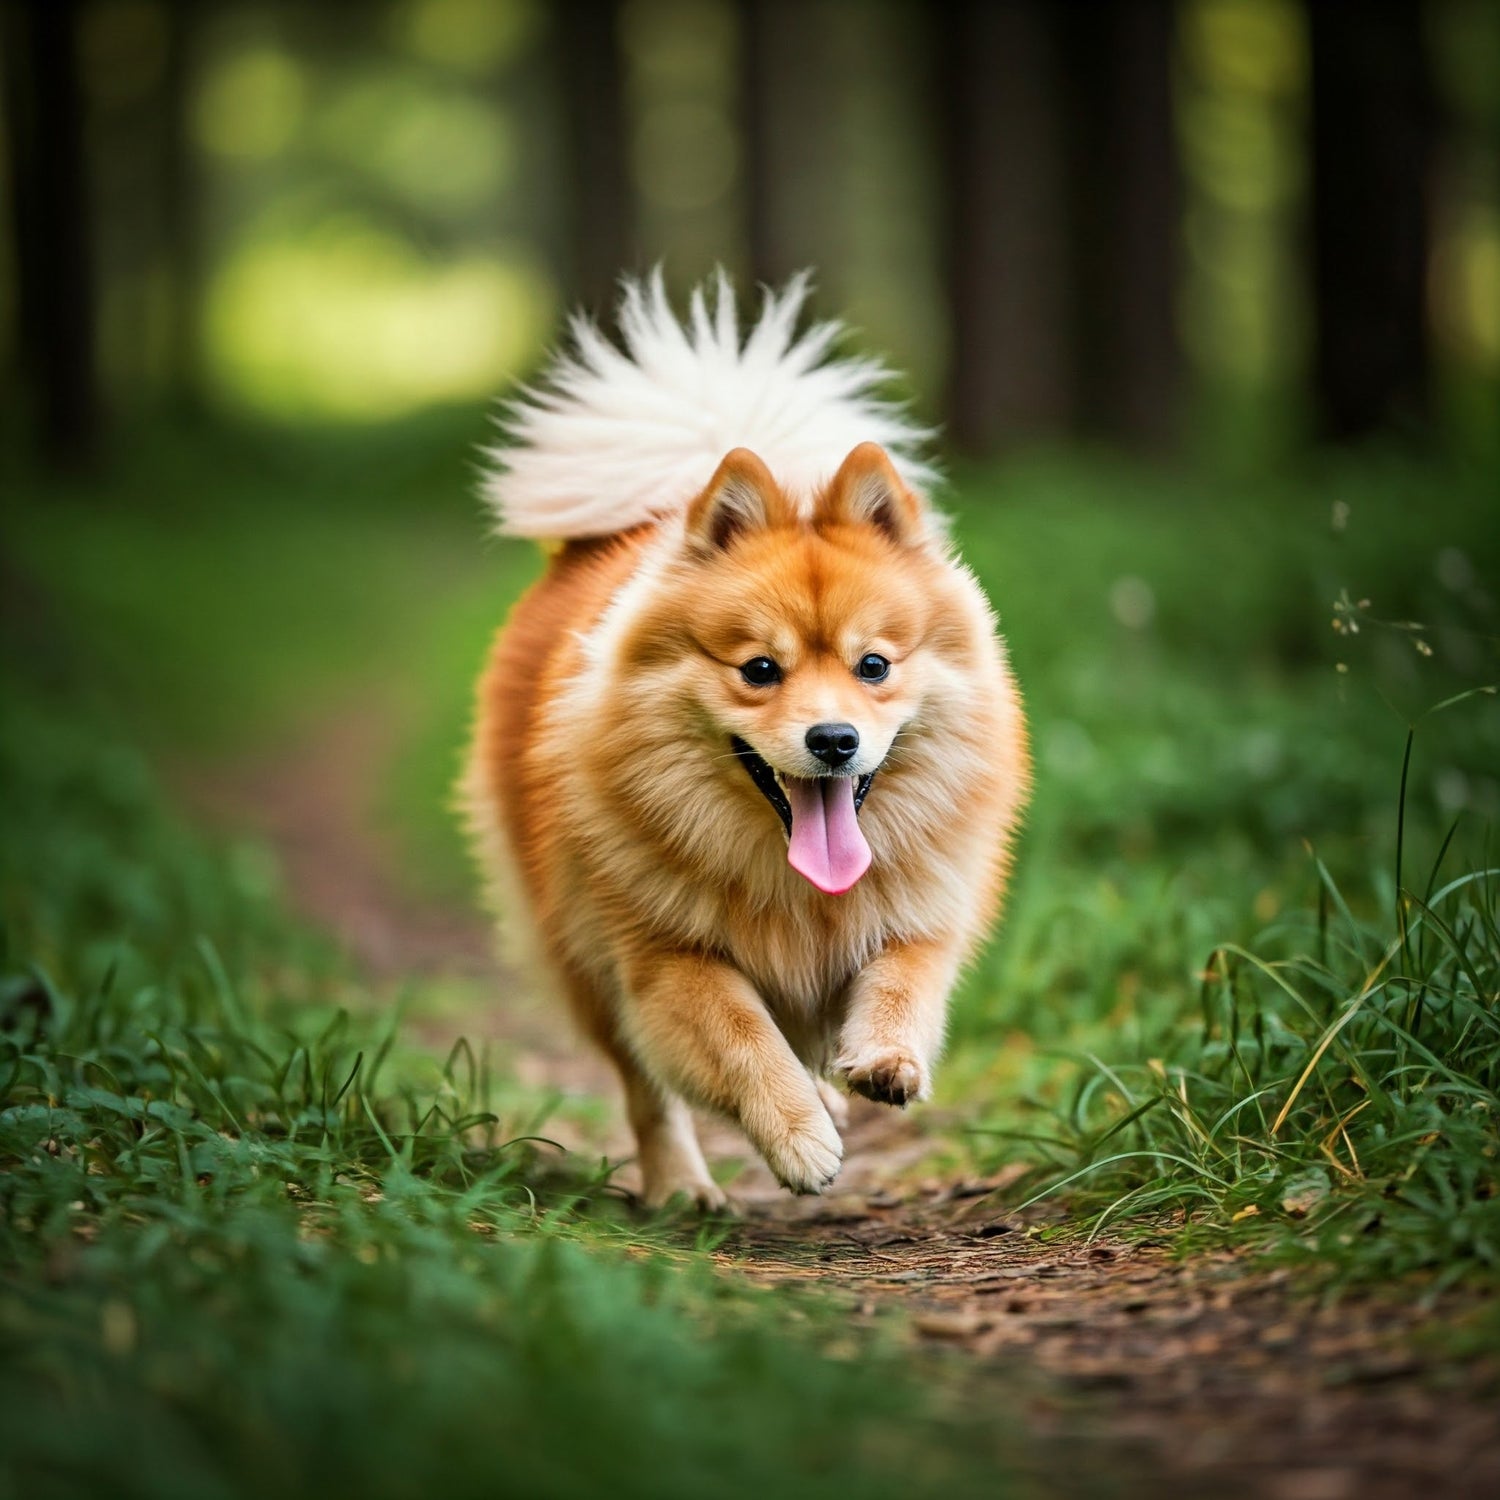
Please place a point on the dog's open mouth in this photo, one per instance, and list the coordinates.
(821, 818)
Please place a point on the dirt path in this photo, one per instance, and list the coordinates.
(1208, 1378)
(1201, 1374)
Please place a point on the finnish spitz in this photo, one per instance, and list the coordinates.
(748, 758)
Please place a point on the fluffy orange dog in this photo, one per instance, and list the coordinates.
(748, 757)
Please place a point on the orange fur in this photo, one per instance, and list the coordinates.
(621, 829)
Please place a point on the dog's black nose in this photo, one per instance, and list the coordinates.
(833, 744)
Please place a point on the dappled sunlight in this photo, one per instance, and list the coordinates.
(1466, 288)
(350, 323)
(1241, 105)
(469, 36)
(436, 149)
(357, 273)
(252, 103)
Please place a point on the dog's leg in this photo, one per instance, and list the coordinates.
(667, 1149)
(699, 1026)
(894, 1027)
(835, 1101)
(667, 1142)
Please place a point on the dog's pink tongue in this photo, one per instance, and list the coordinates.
(827, 845)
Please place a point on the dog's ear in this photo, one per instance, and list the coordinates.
(867, 491)
(741, 497)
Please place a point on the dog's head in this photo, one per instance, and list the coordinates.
(814, 647)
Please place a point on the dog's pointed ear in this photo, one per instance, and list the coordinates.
(867, 491)
(741, 497)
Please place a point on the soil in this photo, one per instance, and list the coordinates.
(1201, 1373)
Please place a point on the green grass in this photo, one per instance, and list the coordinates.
(1249, 981)
(244, 1251)
(314, 1261)
(1334, 1092)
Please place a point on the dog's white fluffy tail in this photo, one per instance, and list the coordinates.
(606, 440)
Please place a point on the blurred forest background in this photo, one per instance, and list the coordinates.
(1222, 225)
(1203, 295)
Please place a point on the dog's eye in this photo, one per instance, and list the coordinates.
(872, 668)
(760, 671)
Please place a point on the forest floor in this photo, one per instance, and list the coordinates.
(1203, 1369)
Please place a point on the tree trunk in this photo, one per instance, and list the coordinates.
(180, 189)
(51, 211)
(784, 79)
(1124, 205)
(1004, 224)
(601, 218)
(1372, 129)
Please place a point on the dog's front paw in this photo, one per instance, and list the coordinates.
(805, 1156)
(890, 1078)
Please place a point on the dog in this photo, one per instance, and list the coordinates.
(748, 759)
